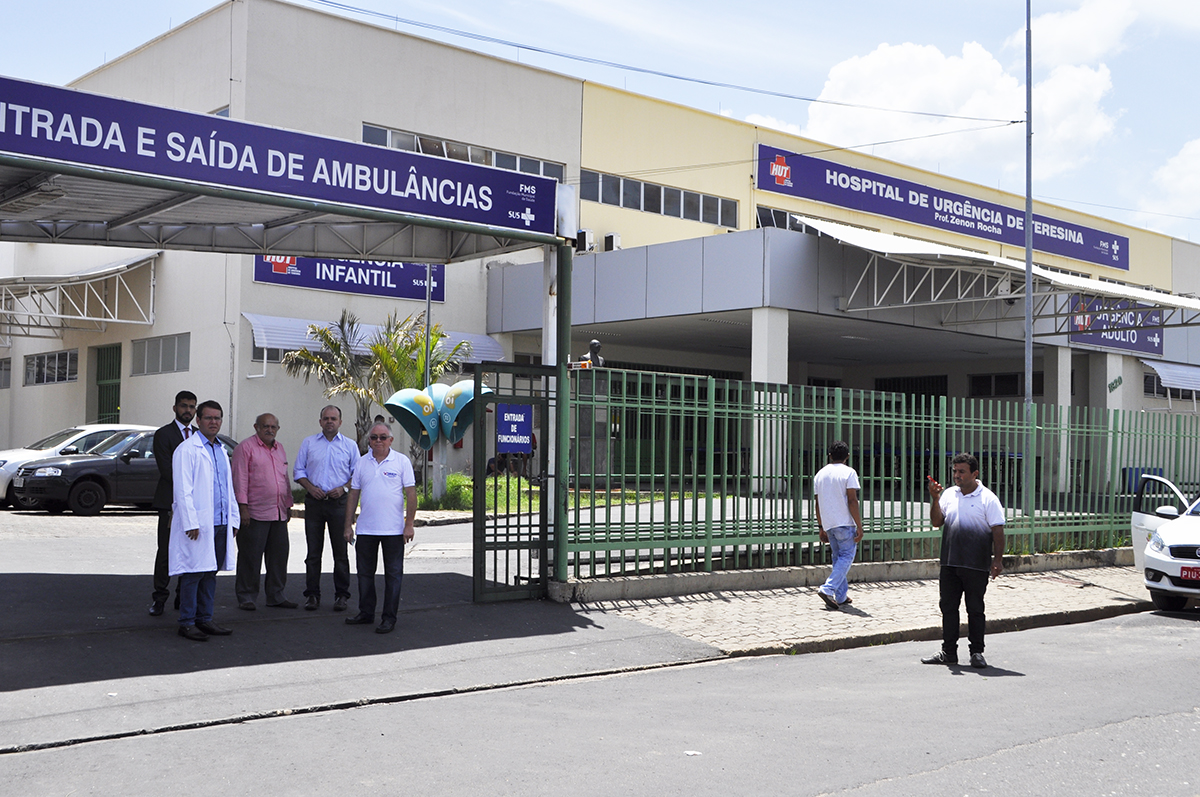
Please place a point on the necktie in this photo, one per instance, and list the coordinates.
(187, 432)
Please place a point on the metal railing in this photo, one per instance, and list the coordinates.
(674, 473)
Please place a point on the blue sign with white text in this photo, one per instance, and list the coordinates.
(95, 131)
(367, 277)
(514, 429)
(825, 181)
(1125, 325)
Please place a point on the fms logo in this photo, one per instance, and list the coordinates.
(281, 264)
(781, 171)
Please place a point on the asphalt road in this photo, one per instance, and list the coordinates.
(535, 698)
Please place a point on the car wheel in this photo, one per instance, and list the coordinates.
(25, 502)
(86, 498)
(1165, 601)
(56, 507)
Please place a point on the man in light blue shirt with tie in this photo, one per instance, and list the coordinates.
(323, 467)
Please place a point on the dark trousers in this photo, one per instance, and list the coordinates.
(393, 572)
(197, 591)
(257, 539)
(955, 583)
(318, 517)
(162, 560)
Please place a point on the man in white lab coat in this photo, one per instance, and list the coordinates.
(204, 522)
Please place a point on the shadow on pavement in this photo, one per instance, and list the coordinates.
(64, 629)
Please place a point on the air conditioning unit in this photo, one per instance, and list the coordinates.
(612, 241)
(585, 241)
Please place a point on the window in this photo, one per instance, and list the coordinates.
(609, 189)
(1152, 386)
(52, 368)
(457, 150)
(914, 385)
(270, 355)
(5, 373)
(1004, 385)
(163, 355)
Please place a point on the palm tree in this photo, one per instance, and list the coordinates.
(398, 356)
(336, 366)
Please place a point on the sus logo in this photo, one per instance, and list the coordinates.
(781, 171)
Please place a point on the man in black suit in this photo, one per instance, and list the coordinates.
(166, 440)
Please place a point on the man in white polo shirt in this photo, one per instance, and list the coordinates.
(384, 480)
(972, 523)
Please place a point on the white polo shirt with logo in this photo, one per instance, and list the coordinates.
(381, 501)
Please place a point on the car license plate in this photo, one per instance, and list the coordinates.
(1192, 573)
(18, 481)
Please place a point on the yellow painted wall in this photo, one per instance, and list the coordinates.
(629, 135)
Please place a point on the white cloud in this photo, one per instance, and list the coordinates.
(1177, 187)
(1085, 35)
(1068, 119)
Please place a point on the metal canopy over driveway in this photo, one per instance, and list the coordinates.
(87, 169)
(83, 168)
(974, 287)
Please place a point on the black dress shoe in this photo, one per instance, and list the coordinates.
(978, 661)
(212, 629)
(156, 608)
(339, 603)
(247, 606)
(311, 603)
(385, 627)
(283, 605)
(360, 619)
(941, 657)
(193, 633)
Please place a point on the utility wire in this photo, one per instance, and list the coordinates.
(643, 70)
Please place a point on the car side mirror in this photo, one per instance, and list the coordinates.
(68, 451)
(128, 455)
(1167, 512)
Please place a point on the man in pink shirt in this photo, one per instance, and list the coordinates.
(264, 496)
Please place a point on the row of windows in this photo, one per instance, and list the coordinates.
(454, 150)
(624, 192)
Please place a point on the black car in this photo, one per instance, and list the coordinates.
(120, 470)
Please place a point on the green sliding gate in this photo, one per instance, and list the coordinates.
(512, 489)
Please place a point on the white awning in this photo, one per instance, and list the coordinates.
(1184, 377)
(280, 332)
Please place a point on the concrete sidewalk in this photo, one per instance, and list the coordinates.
(795, 619)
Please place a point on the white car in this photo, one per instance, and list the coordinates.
(1165, 530)
(74, 440)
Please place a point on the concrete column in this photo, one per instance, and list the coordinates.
(769, 345)
(1106, 386)
(769, 363)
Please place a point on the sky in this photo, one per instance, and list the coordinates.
(1116, 130)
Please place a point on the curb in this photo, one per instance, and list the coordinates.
(934, 632)
(675, 584)
(297, 512)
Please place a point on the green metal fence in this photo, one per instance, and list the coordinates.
(675, 473)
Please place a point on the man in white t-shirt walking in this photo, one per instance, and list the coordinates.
(835, 488)
(384, 479)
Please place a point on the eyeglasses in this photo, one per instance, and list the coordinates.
(380, 437)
